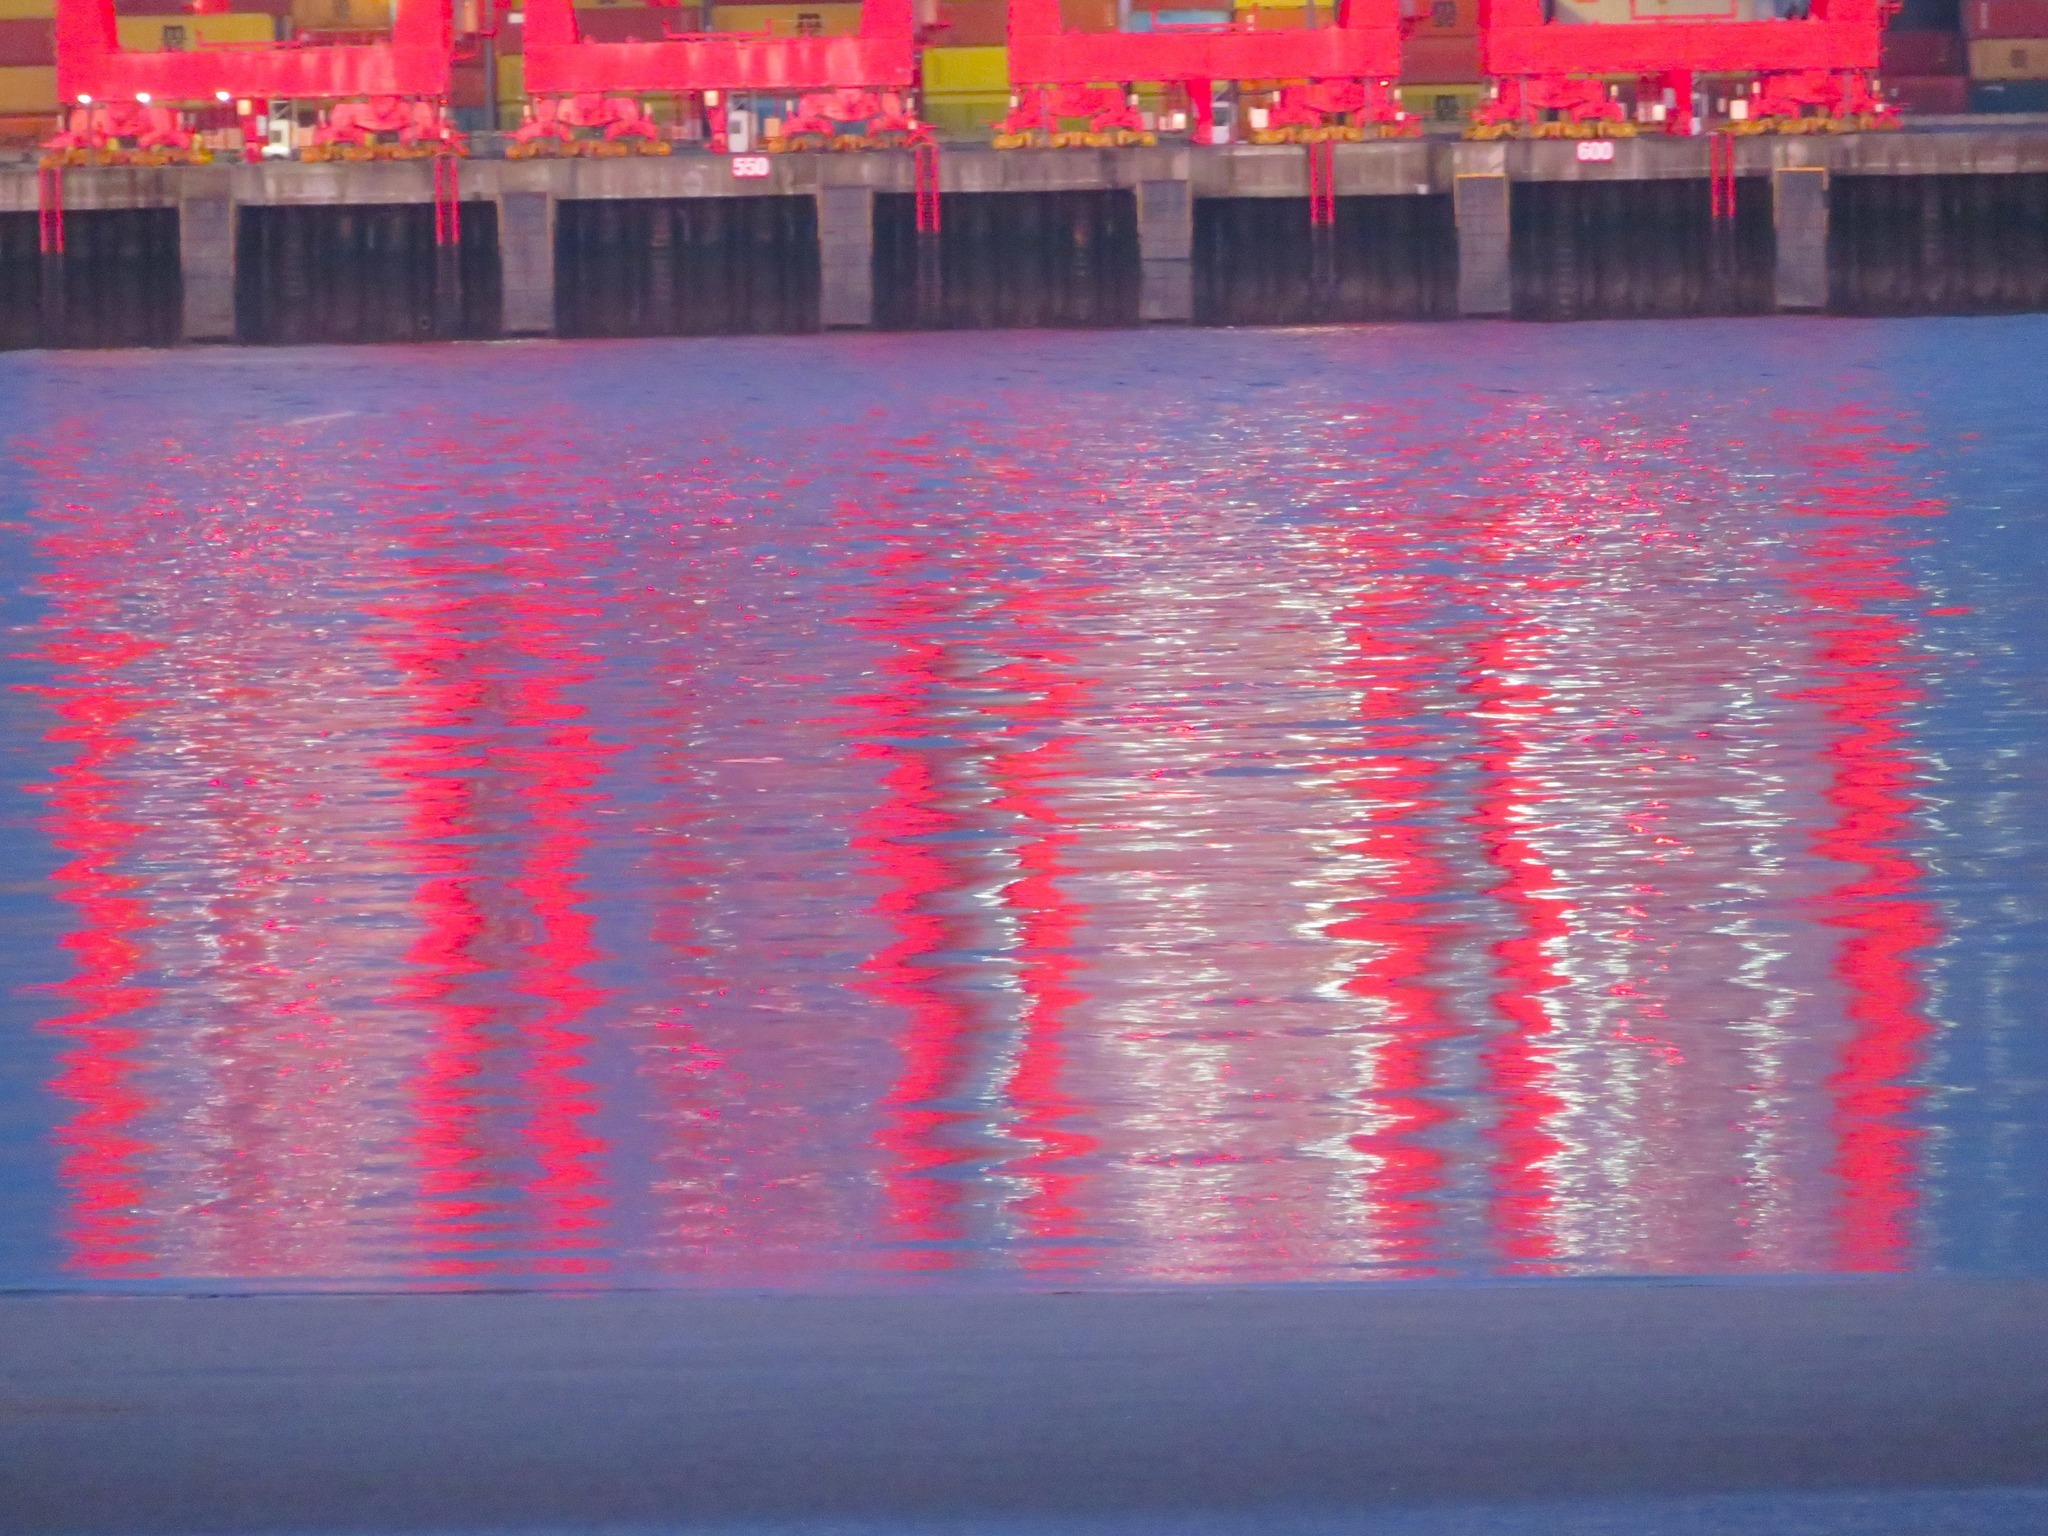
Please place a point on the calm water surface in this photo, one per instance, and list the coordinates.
(1378, 802)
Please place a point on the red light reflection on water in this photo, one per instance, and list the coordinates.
(1395, 784)
(1139, 960)
(104, 1160)
(1851, 573)
(504, 758)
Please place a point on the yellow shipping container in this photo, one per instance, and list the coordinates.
(28, 88)
(341, 15)
(1441, 103)
(965, 116)
(2009, 58)
(511, 81)
(967, 72)
(27, 10)
(150, 34)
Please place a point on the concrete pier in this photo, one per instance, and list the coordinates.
(206, 253)
(1166, 250)
(846, 256)
(526, 247)
(1806, 179)
(1799, 213)
(1485, 268)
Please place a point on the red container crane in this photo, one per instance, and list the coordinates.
(378, 100)
(851, 91)
(1680, 66)
(1328, 82)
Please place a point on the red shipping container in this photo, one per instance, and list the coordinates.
(2005, 18)
(466, 85)
(27, 42)
(975, 24)
(1923, 53)
(1919, 96)
(633, 23)
(1427, 60)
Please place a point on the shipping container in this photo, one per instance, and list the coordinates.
(28, 88)
(1164, 16)
(1441, 101)
(965, 117)
(2009, 96)
(2009, 58)
(2005, 18)
(466, 87)
(1264, 16)
(341, 15)
(967, 72)
(1088, 15)
(770, 20)
(632, 23)
(176, 8)
(1622, 12)
(14, 10)
(976, 23)
(1441, 59)
(26, 41)
(26, 130)
(1441, 18)
(152, 34)
(1922, 53)
(1929, 95)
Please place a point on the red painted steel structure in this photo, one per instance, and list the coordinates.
(1823, 62)
(1364, 45)
(91, 63)
(560, 63)
(1326, 73)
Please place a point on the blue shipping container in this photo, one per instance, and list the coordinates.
(2009, 96)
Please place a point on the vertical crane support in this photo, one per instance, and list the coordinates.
(928, 206)
(1322, 184)
(50, 240)
(447, 245)
(50, 210)
(1721, 171)
(447, 201)
(931, 276)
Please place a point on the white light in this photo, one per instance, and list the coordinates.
(85, 101)
(220, 95)
(143, 97)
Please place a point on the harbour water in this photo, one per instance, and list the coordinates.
(1071, 808)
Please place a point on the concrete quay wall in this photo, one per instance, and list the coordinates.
(1178, 197)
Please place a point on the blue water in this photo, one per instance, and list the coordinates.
(1142, 807)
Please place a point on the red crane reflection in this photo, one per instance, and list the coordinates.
(89, 816)
(469, 883)
(1851, 571)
